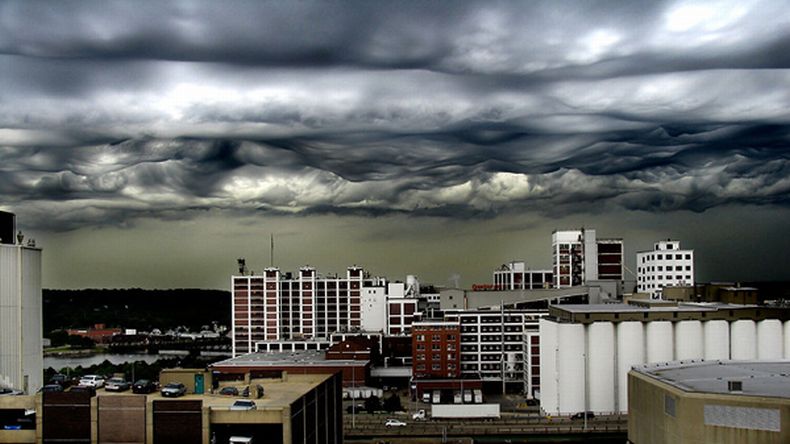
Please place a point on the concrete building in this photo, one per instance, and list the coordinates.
(710, 402)
(664, 266)
(516, 276)
(586, 351)
(274, 307)
(309, 362)
(21, 361)
(436, 348)
(500, 347)
(579, 256)
(293, 408)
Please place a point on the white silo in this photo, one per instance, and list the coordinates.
(571, 368)
(600, 367)
(630, 352)
(717, 339)
(769, 339)
(548, 368)
(743, 340)
(688, 340)
(659, 341)
(787, 339)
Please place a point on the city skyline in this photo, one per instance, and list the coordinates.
(151, 144)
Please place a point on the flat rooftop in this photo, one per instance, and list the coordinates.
(629, 308)
(758, 378)
(278, 393)
(290, 359)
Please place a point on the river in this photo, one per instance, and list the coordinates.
(59, 362)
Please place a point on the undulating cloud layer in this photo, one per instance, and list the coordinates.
(116, 110)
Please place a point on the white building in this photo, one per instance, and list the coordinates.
(578, 256)
(516, 276)
(21, 359)
(586, 351)
(664, 266)
(500, 346)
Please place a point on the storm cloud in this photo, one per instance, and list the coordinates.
(115, 110)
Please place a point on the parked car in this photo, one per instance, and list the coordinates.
(144, 386)
(62, 380)
(95, 381)
(229, 391)
(5, 391)
(359, 409)
(117, 385)
(49, 388)
(394, 423)
(580, 415)
(174, 390)
(244, 404)
(83, 389)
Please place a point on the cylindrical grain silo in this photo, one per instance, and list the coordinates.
(787, 340)
(688, 340)
(743, 340)
(630, 352)
(658, 339)
(600, 367)
(769, 339)
(717, 339)
(548, 369)
(571, 368)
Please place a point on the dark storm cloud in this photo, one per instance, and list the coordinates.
(111, 110)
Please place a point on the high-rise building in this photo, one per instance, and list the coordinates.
(276, 307)
(21, 361)
(579, 256)
(664, 266)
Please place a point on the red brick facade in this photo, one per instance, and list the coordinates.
(436, 350)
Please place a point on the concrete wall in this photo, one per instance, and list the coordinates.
(650, 420)
(121, 419)
(21, 360)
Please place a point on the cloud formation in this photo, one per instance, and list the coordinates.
(111, 110)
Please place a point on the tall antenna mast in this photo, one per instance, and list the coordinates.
(271, 250)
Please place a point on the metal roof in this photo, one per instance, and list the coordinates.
(758, 378)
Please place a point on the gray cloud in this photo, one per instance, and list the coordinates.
(117, 110)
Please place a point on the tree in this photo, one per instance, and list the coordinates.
(373, 404)
(393, 404)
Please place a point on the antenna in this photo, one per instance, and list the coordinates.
(271, 251)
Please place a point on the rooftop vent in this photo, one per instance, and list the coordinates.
(735, 386)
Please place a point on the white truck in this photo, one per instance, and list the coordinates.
(419, 415)
(465, 411)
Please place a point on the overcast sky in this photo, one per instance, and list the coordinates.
(150, 144)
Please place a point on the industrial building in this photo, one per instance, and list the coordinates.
(293, 409)
(21, 359)
(710, 402)
(308, 362)
(579, 256)
(586, 351)
(516, 276)
(666, 265)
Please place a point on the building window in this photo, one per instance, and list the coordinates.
(420, 346)
(660, 256)
(420, 337)
(436, 367)
(688, 257)
(436, 347)
(669, 405)
(436, 338)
